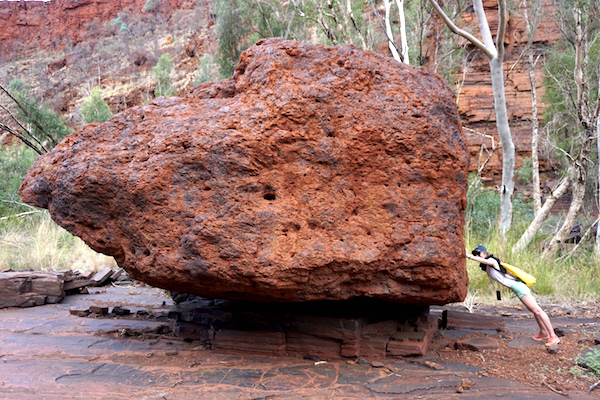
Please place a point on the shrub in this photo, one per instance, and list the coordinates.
(207, 69)
(150, 5)
(524, 173)
(15, 161)
(590, 360)
(162, 74)
(483, 205)
(94, 108)
(44, 124)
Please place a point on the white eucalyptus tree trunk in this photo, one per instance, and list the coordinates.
(494, 52)
(597, 247)
(389, 32)
(508, 147)
(535, 140)
(541, 215)
(403, 38)
(531, 19)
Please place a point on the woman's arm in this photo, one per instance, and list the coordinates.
(481, 260)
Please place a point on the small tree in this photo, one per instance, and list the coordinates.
(35, 125)
(151, 5)
(162, 74)
(94, 108)
(572, 86)
(233, 29)
(207, 69)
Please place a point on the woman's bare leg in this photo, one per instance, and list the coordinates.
(543, 333)
(541, 317)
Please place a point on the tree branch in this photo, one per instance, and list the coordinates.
(36, 123)
(476, 42)
(31, 135)
(555, 390)
(502, 11)
(20, 214)
(594, 386)
(22, 138)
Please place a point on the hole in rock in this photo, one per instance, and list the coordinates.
(269, 196)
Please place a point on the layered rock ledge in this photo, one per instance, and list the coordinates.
(315, 173)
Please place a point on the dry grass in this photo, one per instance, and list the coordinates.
(40, 244)
(558, 278)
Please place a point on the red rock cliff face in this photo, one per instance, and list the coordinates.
(476, 103)
(316, 173)
(34, 24)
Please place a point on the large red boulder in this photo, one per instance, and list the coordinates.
(315, 173)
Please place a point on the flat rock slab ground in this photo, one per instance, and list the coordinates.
(47, 353)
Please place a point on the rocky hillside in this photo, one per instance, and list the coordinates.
(62, 48)
(111, 44)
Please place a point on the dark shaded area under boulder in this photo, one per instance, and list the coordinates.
(323, 329)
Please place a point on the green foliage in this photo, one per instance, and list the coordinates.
(15, 161)
(240, 23)
(162, 74)
(483, 209)
(591, 360)
(561, 114)
(524, 174)
(44, 124)
(483, 205)
(94, 108)
(207, 69)
(234, 29)
(151, 5)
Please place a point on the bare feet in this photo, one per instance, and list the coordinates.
(539, 337)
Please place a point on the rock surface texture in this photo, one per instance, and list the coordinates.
(24, 289)
(51, 24)
(315, 173)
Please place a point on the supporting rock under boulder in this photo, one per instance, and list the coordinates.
(320, 330)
